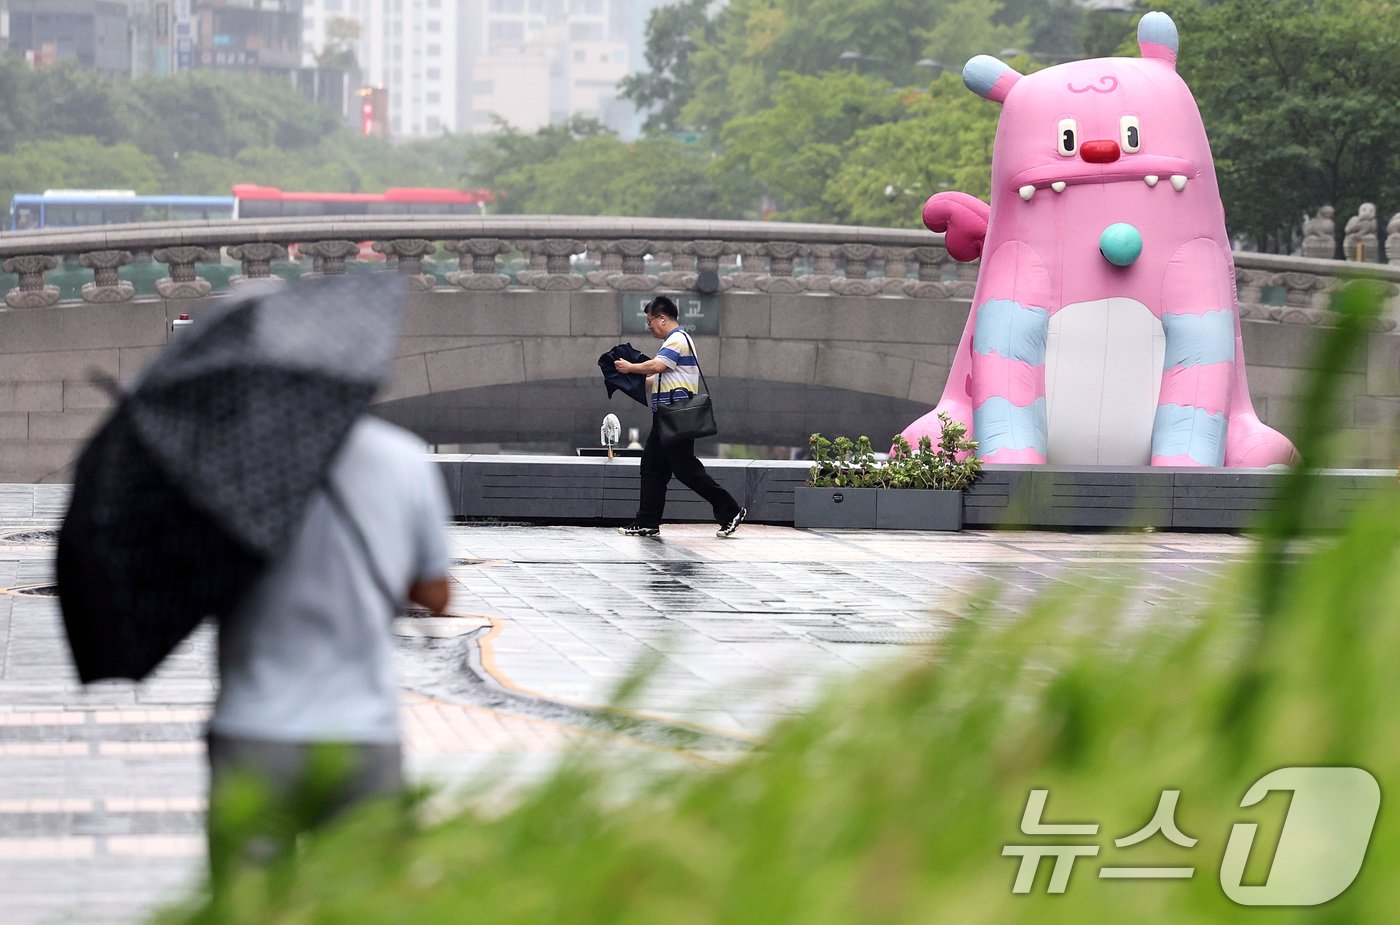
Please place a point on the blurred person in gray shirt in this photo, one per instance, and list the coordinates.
(307, 711)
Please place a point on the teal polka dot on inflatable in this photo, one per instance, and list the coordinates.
(1120, 244)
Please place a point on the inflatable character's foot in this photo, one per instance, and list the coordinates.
(1252, 444)
(1009, 455)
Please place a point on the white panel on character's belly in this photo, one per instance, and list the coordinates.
(1103, 372)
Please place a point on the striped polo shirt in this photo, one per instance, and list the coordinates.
(682, 369)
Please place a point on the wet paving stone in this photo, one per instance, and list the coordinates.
(732, 635)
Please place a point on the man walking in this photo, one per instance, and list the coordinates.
(674, 369)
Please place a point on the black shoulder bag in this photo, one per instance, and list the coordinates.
(687, 417)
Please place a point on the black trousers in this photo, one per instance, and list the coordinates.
(661, 461)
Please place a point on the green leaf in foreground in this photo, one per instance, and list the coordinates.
(892, 800)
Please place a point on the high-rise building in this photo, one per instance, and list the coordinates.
(459, 65)
(574, 52)
(91, 33)
(262, 36)
(253, 36)
(407, 47)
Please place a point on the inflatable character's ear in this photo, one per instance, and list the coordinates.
(990, 78)
(1157, 37)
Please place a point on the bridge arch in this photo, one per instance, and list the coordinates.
(814, 327)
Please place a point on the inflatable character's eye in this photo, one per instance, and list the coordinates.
(1069, 137)
(1131, 137)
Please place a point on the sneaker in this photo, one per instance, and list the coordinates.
(639, 530)
(729, 528)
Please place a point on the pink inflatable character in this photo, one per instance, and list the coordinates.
(1104, 326)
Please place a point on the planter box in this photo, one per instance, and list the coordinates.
(876, 509)
(834, 508)
(918, 509)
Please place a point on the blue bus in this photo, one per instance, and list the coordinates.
(69, 208)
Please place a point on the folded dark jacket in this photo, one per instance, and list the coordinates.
(634, 385)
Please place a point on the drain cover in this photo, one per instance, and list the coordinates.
(37, 590)
(31, 537)
(879, 637)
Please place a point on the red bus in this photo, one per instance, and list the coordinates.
(253, 201)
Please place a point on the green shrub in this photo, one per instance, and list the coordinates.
(841, 463)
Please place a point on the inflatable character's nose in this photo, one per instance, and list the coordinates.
(1099, 152)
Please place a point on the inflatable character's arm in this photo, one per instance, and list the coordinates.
(963, 221)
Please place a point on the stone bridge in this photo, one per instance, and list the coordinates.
(801, 328)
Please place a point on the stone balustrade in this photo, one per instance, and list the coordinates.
(571, 253)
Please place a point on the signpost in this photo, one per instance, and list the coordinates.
(699, 314)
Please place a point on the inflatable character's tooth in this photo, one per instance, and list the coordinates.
(1058, 186)
(1178, 182)
(1150, 179)
(1027, 192)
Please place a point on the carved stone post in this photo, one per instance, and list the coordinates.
(257, 261)
(1392, 240)
(682, 273)
(1303, 291)
(823, 258)
(857, 280)
(31, 291)
(330, 256)
(477, 267)
(537, 261)
(1250, 286)
(896, 270)
(410, 253)
(929, 285)
(555, 254)
(106, 285)
(609, 263)
(633, 277)
(751, 266)
(781, 257)
(964, 286)
(706, 254)
(183, 282)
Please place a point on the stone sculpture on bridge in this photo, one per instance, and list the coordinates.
(1361, 242)
(1320, 234)
(1104, 328)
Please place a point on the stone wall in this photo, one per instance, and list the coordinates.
(842, 330)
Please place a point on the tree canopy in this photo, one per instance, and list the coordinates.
(196, 133)
(1298, 97)
(815, 110)
(737, 70)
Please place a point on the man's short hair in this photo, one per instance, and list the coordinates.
(662, 305)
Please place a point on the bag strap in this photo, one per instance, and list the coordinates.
(705, 385)
(342, 510)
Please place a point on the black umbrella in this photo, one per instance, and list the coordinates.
(204, 470)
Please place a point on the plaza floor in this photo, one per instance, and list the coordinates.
(102, 787)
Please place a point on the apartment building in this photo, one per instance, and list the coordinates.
(90, 33)
(460, 65)
(408, 47)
